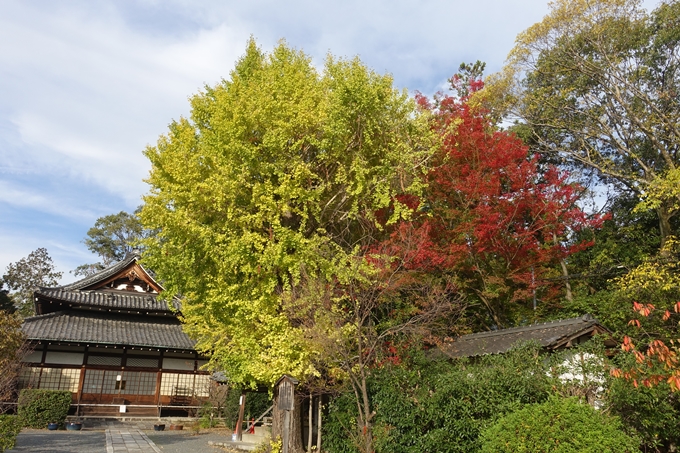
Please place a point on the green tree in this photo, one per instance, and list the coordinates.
(112, 237)
(597, 83)
(12, 350)
(27, 274)
(280, 176)
(6, 303)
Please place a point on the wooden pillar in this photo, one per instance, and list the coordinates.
(81, 383)
(44, 354)
(80, 390)
(241, 411)
(159, 375)
(286, 430)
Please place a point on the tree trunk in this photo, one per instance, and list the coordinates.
(319, 409)
(494, 316)
(567, 286)
(295, 427)
(665, 229)
(366, 432)
(310, 423)
(565, 273)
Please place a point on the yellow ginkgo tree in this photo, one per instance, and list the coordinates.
(282, 173)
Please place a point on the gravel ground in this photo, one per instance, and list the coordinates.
(40, 440)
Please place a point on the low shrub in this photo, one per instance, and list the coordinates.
(36, 408)
(437, 405)
(559, 425)
(9, 428)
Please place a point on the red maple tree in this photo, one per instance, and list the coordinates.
(491, 214)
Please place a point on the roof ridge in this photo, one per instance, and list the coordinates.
(112, 298)
(587, 318)
(104, 273)
(46, 315)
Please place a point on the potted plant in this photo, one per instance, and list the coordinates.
(174, 427)
(53, 426)
(159, 427)
(74, 426)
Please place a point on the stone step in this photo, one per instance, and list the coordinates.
(253, 438)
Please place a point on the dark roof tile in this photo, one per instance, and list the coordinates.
(549, 335)
(119, 300)
(100, 328)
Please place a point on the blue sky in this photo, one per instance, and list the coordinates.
(86, 85)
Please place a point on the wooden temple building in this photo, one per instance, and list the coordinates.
(115, 346)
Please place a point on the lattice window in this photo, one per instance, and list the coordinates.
(202, 386)
(176, 384)
(142, 362)
(130, 382)
(29, 377)
(110, 382)
(60, 379)
(93, 381)
(103, 360)
(139, 383)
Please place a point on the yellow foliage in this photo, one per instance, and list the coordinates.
(272, 183)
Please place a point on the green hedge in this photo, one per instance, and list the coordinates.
(429, 406)
(9, 428)
(560, 425)
(37, 408)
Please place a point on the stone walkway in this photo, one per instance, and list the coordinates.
(129, 440)
(106, 436)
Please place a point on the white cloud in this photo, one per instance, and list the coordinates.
(87, 94)
(40, 201)
(85, 86)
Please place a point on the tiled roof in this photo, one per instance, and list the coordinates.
(116, 300)
(550, 335)
(104, 274)
(99, 328)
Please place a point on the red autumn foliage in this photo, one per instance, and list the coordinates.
(657, 361)
(491, 214)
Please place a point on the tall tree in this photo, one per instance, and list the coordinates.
(597, 83)
(24, 276)
(273, 181)
(112, 237)
(490, 215)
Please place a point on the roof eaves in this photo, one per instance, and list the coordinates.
(103, 274)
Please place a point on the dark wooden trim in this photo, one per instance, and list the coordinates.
(81, 382)
(44, 354)
(159, 375)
